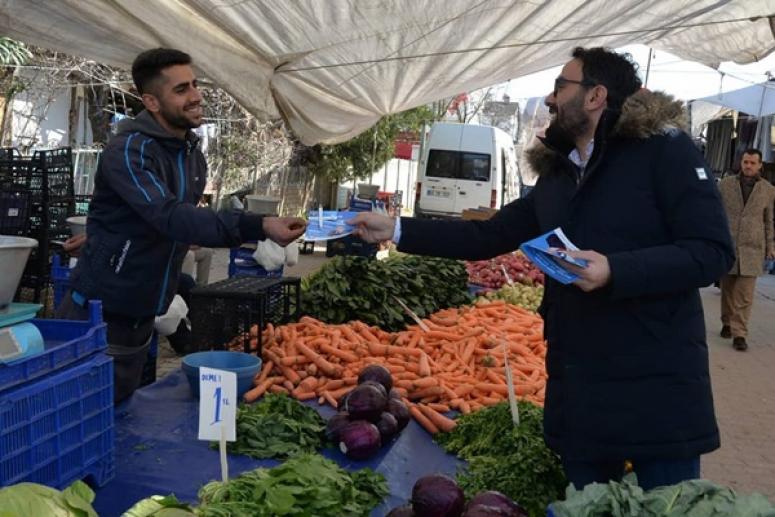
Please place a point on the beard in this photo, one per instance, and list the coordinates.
(178, 120)
(570, 120)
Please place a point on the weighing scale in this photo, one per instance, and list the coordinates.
(19, 338)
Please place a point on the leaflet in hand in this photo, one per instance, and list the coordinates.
(547, 252)
(324, 225)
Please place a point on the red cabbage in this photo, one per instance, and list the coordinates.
(387, 426)
(437, 496)
(376, 373)
(493, 503)
(366, 401)
(335, 424)
(359, 440)
(399, 410)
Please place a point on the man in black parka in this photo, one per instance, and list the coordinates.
(627, 358)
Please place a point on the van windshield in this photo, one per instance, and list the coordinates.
(458, 165)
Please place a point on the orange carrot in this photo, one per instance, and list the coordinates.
(443, 423)
(423, 420)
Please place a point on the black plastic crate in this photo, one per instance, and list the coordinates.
(223, 312)
(14, 212)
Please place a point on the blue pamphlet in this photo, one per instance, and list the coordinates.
(547, 252)
(324, 225)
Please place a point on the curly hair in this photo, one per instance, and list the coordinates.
(617, 72)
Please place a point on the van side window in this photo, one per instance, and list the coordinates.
(457, 165)
(442, 164)
(475, 167)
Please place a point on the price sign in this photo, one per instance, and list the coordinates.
(217, 404)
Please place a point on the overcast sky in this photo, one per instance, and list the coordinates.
(682, 79)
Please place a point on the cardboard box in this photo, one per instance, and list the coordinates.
(478, 214)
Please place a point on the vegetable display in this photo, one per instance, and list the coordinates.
(28, 499)
(527, 296)
(695, 498)
(305, 485)
(489, 273)
(458, 364)
(511, 459)
(349, 288)
(437, 495)
(277, 427)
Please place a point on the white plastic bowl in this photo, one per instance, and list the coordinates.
(77, 224)
(14, 252)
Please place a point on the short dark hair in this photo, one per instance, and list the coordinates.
(148, 65)
(617, 72)
(753, 150)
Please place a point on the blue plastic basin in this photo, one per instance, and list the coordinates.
(246, 366)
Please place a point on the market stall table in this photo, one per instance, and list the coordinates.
(157, 452)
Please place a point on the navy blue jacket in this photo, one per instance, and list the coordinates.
(143, 217)
(628, 363)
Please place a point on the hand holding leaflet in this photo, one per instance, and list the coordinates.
(549, 253)
(328, 224)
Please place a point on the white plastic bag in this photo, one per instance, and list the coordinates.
(167, 324)
(292, 254)
(269, 255)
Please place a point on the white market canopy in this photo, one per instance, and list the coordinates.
(332, 68)
(757, 100)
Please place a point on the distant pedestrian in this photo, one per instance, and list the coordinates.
(748, 200)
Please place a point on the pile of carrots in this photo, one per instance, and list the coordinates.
(457, 363)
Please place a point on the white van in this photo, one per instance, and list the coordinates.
(465, 166)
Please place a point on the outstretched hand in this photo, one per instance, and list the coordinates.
(372, 227)
(284, 230)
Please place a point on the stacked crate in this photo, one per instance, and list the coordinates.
(56, 408)
(37, 198)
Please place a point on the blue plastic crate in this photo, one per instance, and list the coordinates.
(66, 342)
(60, 279)
(59, 429)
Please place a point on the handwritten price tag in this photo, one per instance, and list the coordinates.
(217, 404)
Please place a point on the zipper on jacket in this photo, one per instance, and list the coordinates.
(181, 193)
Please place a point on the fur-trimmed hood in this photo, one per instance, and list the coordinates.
(643, 115)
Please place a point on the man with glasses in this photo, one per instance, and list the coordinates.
(627, 358)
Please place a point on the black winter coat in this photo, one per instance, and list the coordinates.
(143, 217)
(628, 363)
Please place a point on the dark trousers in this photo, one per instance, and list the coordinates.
(128, 342)
(651, 473)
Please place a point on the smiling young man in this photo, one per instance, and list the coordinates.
(144, 216)
(627, 360)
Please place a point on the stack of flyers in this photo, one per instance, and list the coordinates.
(324, 225)
(547, 252)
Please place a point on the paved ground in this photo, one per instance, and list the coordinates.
(744, 391)
(743, 383)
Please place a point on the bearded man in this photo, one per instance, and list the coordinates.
(627, 358)
(144, 215)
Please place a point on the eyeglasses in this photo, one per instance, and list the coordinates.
(562, 81)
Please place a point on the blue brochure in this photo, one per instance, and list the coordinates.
(547, 252)
(324, 225)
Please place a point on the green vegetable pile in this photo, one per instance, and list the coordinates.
(696, 498)
(526, 296)
(503, 457)
(307, 485)
(277, 426)
(357, 288)
(27, 499)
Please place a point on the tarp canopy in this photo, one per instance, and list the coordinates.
(757, 100)
(332, 68)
